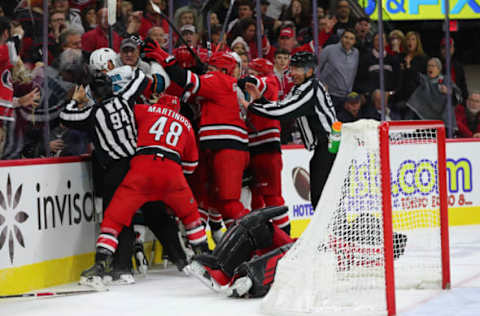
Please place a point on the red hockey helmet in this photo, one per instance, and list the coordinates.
(184, 57)
(263, 66)
(169, 101)
(222, 60)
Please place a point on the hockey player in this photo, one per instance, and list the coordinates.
(161, 224)
(310, 103)
(166, 148)
(223, 136)
(264, 145)
(244, 263)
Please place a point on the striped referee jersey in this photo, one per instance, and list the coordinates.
(111, 123)
(310, 104)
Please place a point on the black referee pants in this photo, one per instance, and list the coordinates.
(107, 180)
(320, 166)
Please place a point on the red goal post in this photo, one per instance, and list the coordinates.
(385, 142)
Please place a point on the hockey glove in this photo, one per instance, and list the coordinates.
(154, 51)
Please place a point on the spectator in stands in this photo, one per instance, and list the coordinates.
(89, 19)
(468, 117)
(456, 68)
(269, 24)
(214, 19)
(276, 8)
(73, 17)
(67, 142)
(2, 12)
(413, 62)
(30, 19)
(345, 20)
(286, 39)
(373, 109)
(338, 67)
(281, 71)
(130, 55)
(429, 100)
(246, 28)
(98, 37)
(186, 16)
(364, 37)
(239, 46)
(367, 79)
(57, 24)
(245, 10)
(70, 38)
(326, 36)
(299, 12)
(396, 40)
(151, 18)
(350, 112)
(158, 34)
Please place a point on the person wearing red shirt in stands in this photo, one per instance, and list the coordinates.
(326, 36)
(468, 117)
(98, 37)
(151, 18)
(223, 135)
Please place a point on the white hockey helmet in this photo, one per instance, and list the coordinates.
(99, 59)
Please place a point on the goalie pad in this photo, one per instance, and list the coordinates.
(254, 231)
(261, 271)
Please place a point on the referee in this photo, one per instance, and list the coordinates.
(310, 103)
(110, 123)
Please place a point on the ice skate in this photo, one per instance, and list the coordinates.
(240, 287)
(140, 259)
(93, 276)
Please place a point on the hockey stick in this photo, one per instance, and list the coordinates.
(51, 294)
(224, 27)
(157, 9)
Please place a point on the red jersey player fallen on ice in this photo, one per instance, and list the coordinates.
(166, 149)
(244, 263)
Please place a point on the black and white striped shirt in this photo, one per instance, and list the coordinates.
(111, 123)
(310, 104)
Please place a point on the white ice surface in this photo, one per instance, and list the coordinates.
(168, 292)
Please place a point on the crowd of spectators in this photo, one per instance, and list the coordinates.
(348, 49)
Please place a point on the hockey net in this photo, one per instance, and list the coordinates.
(378, 225)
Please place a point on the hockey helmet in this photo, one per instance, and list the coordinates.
(99, 59)
(263, 66)
(304, 59)
(169, 101)
(223, 61)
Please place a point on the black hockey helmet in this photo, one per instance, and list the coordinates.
(303, 59)
(100, 84)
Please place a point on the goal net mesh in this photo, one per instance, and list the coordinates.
(337, 265)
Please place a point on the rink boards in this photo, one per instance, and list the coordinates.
(47, 210)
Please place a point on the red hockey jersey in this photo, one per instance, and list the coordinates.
(264, 133)
(166, 133)
(221, 122)
(285, 83)
(6, 86)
